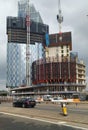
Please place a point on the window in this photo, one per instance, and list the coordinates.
(61, 47)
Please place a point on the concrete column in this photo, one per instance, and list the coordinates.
(77, 89)
(65, 89)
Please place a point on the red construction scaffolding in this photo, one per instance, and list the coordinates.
(51, 70)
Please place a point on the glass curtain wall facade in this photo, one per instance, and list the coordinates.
(15, 65)
(16, 53)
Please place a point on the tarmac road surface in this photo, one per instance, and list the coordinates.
(9, 122)
(77, 115)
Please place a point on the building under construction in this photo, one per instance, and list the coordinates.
(59, 71)
(51, 70)
(60, 67)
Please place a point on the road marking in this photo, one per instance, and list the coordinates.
(32, 118)
(61, 122)
(81, 128)
(42, 120)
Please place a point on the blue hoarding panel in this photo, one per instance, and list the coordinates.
(47, 39)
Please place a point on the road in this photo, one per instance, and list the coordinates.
(77, 115)
(17, 123)
(72, 108)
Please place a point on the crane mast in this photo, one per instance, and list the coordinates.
(59, 16)
(28, 45)
(60, 20)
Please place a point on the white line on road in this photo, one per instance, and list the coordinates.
(32, 118)
(61, 122)
(75, 127)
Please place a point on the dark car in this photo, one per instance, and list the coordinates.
(24, 102)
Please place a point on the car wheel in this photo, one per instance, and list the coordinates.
(23, 105)
(32, 106)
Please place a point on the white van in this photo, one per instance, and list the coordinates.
(47, 97)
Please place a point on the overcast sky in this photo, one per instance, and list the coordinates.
(75, 20)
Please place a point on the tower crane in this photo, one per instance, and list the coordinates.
(60, 20)
(59, 16)
(28, 45)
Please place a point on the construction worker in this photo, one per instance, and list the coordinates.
(64, 109)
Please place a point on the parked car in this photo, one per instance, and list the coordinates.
(56, 99)
(24, 102)
(47, 97)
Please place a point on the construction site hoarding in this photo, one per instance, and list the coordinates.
(17, 30)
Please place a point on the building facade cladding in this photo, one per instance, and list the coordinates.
(59, 47)
(15, 74)
(56, 41)
(16, 50)
(22, 6)
(34, 14)
(80, 71)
